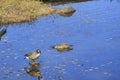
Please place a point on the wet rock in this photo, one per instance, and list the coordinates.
(66, 11)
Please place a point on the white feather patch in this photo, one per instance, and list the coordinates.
(27, 57)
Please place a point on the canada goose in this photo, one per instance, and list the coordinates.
(63, 47)
(33, 55)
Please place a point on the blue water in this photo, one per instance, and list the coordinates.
(93, 30)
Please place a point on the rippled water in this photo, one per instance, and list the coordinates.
(93, 30)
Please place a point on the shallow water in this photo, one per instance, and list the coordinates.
(93, 30)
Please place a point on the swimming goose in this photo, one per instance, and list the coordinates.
(63, 47)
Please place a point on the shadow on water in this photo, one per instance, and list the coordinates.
(93, 30)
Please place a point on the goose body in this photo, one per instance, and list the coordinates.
(33, 55)
(63, 47)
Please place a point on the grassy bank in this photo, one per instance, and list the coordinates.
(16, 11)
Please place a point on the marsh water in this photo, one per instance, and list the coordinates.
(93, 30)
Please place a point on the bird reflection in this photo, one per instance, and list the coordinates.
(33, 70)
(34, 64)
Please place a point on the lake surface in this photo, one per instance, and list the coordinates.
(93, 30)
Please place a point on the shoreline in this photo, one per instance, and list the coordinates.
(16, 11)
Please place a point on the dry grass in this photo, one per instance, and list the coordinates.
(15, 11)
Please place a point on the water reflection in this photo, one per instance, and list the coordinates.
(33, 70)
(34, 64)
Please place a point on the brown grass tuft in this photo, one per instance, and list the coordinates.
(15, 11)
